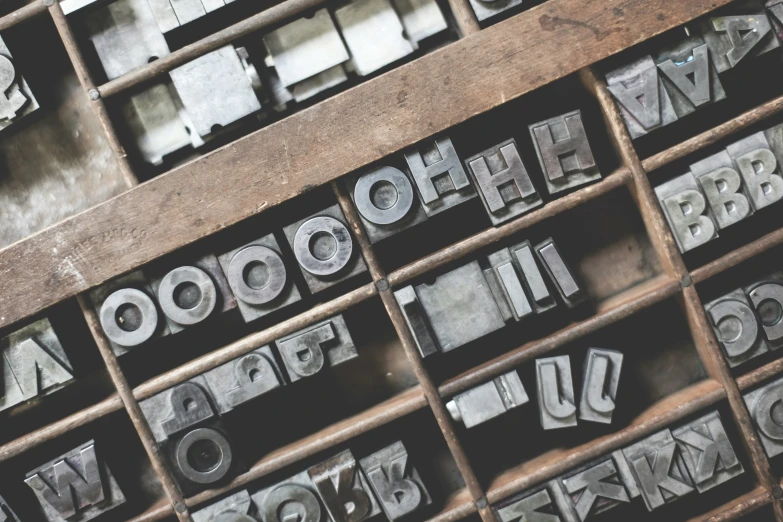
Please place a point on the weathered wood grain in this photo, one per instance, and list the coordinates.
(325, 141)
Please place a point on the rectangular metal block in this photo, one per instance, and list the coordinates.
(420, 18)
(659, 469)
(125, 36)
(258, 277)
(34, 364)
(459, 307)
(16, 98)
(562, 276)
(341, 483)
(601, 377)
(737, 32)
(766, 295)
(555, 386)
(296, 496)
(235, 505)
(395, 481)
(166, 413)
(417, 322)
(758, 160)
(306, 352)
(215, 90)
(722, 185)
(171, 14)
(504, 184)
(545, 503)
(506, 286)
(324, 248)
(762, 403)
(243, 379)
(373, 33)
(687, 212)
(141, 321)
(305, 47)
(487, 9)
(641, 96)
(688, 75)
(488, 400)
(625, 474)
(564, 152)
(736, 326)
(386, 201)
(532, 280)
(75, 486)
(707, 452)
(594, 488)
(439, 176)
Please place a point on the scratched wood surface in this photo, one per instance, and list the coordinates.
(325, 141)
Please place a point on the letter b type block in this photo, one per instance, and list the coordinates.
(722, 185)
(686, 210)
(395, 481)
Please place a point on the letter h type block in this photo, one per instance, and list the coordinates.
(503, 182)
(395, 481)
(564, 152)
(762, 404)
(659, 469)
(74, 485)
(686, 210)
(305, 352)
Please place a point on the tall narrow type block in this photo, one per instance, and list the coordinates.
(758, 160)
(306, 352)
(488, 400)
(722, 185)
(685, 207)
(736, 326)
(324, 248)
(766, 295)
(601, 377)
(556, 404)
(34, 364)
(763, 404)
(641, 96)
(561, 274)
(564, 152)
(506, 285)
(503, 182)
(533, 281)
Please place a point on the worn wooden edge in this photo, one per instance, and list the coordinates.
(274, 164)
(738, 256)
(737, 507)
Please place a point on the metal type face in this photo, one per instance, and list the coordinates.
(487, 9)
(488, 400)
(373, 33)
(459, 307)
(215, 90)
(543, 504)
(129, 317)
(722, 185)
(203, 456)
(386, 201)
(305, 47)
(564, 152)
(344, 489)
(439, 175)
(235, 508)
(125, 36)
(187, 295)
(736, 327)
(743, 31)
(305, 352)
(594, 489)
(641, 96)
(506, 285)
(555, 392)
(291, 499)
(168, 413)
(16, 98)
(759, 167)
(688, 75)
(395, 481)
(625, 474)
(76, 484)
(503, 182)
(707, 452)
(243, 379)
(766, 407)
(416, 320)
(560, 273)
(323, 246)
(599, 385)
(532, 280)
(659, 469)
(170, 14)
(767, 299)
(34, 364)
(420, 18)
(6, 513)
(258, 278)
(685, 208)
